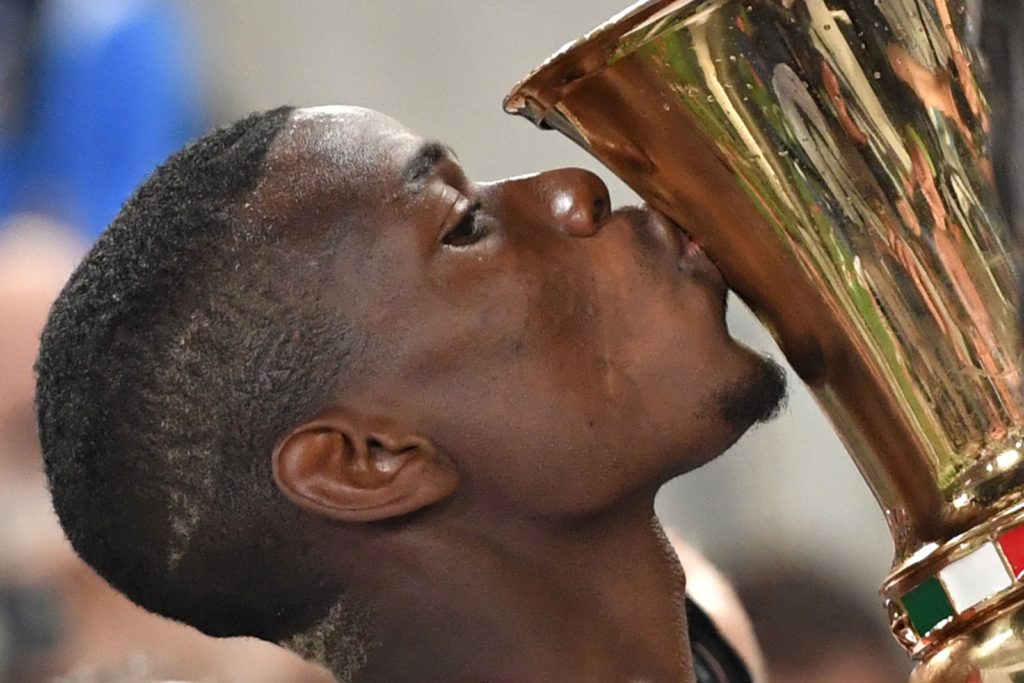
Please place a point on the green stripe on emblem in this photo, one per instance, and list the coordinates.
(927, 605)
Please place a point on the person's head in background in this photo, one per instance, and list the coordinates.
(317, 386)
(812, 629)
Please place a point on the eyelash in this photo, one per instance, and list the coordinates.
(467, 231)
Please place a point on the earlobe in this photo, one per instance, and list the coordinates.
(334, 467)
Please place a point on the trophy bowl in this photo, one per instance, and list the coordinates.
(832, 157)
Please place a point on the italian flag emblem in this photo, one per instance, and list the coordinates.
(966, 583)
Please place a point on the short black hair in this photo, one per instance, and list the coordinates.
(181, 349)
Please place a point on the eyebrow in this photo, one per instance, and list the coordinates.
(424, 160)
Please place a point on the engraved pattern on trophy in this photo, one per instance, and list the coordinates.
(832, 156)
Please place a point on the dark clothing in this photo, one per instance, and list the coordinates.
(714, 660)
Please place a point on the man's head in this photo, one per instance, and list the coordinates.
(311, 328)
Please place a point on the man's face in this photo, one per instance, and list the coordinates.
(562, 354)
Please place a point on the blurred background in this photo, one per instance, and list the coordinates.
(95, 93)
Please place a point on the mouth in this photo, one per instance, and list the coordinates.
(690, 260)
(684, 245)
(688, 255)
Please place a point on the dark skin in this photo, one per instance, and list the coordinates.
(537, 366)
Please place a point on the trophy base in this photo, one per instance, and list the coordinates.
(949, 590)
(992, 652)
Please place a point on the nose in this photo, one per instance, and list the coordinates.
(575, 200)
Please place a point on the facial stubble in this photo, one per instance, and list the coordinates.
(757, 397)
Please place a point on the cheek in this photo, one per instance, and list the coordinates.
(521, 405)
(520, 437)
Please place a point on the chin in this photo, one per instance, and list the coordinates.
(755, 393)
(757, 396)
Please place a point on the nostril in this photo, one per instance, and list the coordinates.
(577, 200)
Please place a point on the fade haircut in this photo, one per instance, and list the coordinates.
(184, 345)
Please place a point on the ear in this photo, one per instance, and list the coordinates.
(346, 468)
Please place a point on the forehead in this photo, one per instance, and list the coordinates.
(360, 143)
(341, 157)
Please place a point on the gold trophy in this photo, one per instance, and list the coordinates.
(831, 157)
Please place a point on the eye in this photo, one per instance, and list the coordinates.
(467, 231)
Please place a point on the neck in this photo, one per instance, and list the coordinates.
(601, 602)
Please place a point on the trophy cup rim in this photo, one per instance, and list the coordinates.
(546, 85)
